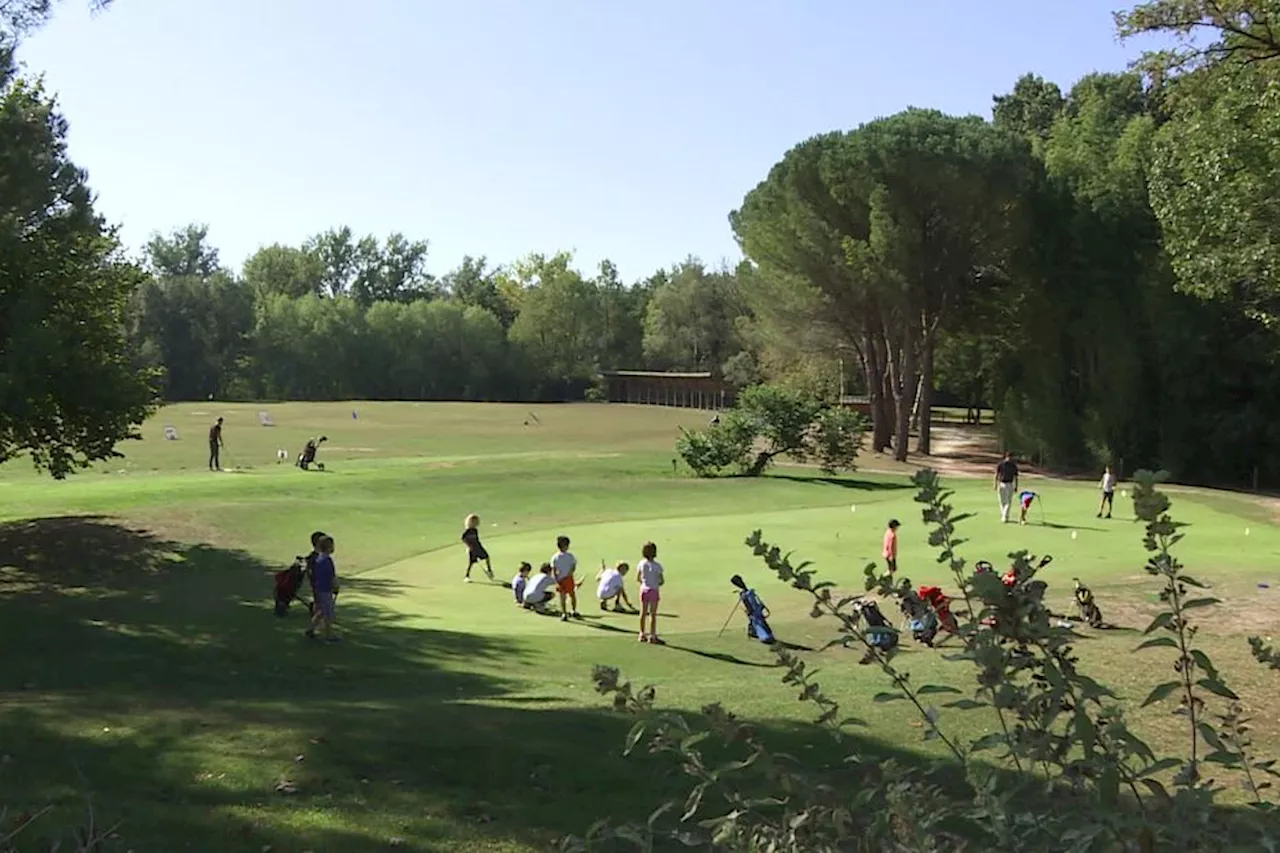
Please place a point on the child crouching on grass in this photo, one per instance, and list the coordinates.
(611, 586)
(649, 571)
(324, 579)
(475, 551)
(539, 591)
(520, 582)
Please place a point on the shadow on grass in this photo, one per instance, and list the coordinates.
(153, 677)
(840, 482)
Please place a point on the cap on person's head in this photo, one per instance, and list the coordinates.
(219, 420)
(893, 523)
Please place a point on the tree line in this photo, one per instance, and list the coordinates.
(1097, 265)
(339, 318)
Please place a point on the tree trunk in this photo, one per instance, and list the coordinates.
(924, 445)
(902, 363)
(873, 369)
(906, 397)
(915, 404)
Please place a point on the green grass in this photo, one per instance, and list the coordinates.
(142, 665)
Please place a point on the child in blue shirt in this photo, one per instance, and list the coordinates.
(324, 579)
(520, 581)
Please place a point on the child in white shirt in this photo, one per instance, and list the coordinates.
(1108, 491)
(611, 587)
(649, 571)
(538, 591)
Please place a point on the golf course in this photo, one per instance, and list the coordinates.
(146, 681)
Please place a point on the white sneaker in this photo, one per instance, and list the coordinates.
(466, 580)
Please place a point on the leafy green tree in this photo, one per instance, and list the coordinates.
(1212, 176)
(193, 316)
(559, 325)
(1030, 109)
(622, 314)
(807, 299)
(887, 230)
(285, 270)
(69, 391)
(183, 253)
(473, 283)
(692, 321)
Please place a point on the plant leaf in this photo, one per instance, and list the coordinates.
(1161, 691)
(988, 741)
(965, 704)
(935, 688)
(633, 737)
(1200, 602)
(1154, 642)
(1217, 688)
(888, 697)
(1160, 766)
(1162, 620)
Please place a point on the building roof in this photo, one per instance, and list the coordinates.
(656, 374)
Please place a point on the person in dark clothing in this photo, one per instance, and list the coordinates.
(475, 551)
(215, 445)
(1006, 484)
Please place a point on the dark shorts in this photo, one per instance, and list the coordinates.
(477, 555)
(325, 604)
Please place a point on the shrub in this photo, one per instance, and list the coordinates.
(711, 451)
(769, 421)
(1062, 770)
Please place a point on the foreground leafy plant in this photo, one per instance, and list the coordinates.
(1067, 774)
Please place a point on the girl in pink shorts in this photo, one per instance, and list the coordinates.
(649, 571)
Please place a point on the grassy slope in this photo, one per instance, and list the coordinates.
(143, 664)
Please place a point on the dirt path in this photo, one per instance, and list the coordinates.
(958, 451)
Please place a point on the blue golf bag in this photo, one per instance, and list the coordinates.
(757, 617)
(879, 632)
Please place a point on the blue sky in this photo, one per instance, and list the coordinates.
(497, 127)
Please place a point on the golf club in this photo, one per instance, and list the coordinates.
(727, 621)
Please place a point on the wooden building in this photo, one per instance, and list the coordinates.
(655, 388)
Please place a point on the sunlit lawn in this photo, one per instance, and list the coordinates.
(142, 665)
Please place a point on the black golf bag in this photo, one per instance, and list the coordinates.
(921, 618)
(879, 632)
(308, 455)
(1090, 613)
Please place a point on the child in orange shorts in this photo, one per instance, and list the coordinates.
(563, 564)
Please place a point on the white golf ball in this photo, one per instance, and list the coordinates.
(1124, 494)
(1074, 534)
(853, 508)
(1246, 531)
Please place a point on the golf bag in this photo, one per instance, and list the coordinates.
(757, 614)
(921, 620)
(288, 582)
(1090, 613)
(879, 632)
(308, 455)
(757, 617)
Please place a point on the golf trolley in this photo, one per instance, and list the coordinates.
(1090, 613)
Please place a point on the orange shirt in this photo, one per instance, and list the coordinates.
(891, 544)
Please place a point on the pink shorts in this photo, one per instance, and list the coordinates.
(649, 595)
